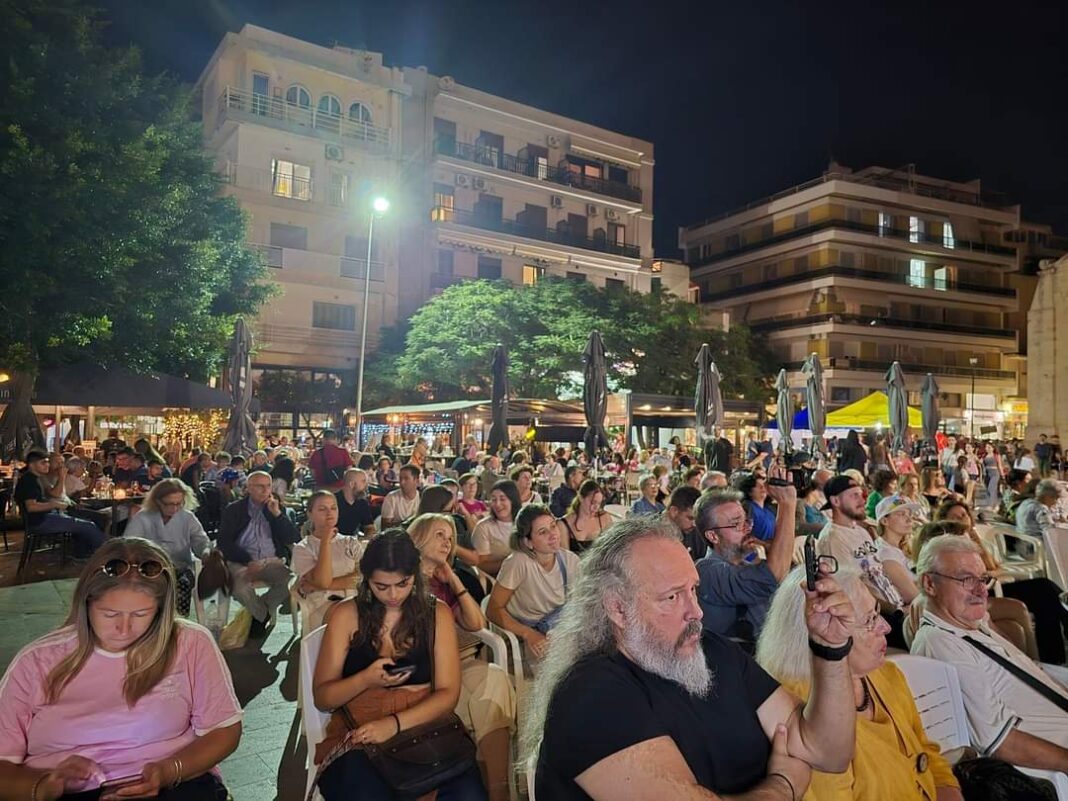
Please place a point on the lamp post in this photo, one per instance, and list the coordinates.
(379, 206)
(972, 360)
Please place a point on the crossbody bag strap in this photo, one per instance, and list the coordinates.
(563, 569)
(432, 637)
(1039, 687)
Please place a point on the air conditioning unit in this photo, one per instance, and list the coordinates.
(556, 202)
(478, 183)
(591, 210)
(463, 180)
(552, 140)
(334, 153)
(611, 214)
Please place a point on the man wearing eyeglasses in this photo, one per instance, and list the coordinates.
(1017, 710)
(736, 586)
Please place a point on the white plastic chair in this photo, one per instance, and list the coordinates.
(515, 648)
(617, 510)
(1014, 565)
(313, 721)
(531, 766)
(936, 690)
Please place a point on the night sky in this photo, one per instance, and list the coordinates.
(740, 99)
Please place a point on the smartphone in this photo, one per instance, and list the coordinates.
(400, 667)
(779, 482)
(812, 563)
(117, 784)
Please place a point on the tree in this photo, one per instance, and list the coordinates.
(114, 243)
(651, 341)
(292, 391)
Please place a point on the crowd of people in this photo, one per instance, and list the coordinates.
(677, 646)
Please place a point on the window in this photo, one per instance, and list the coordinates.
(917, 272)
(444, 136)
(297, 95)
(356, 248)
(948, 240)
(853, 215)
(336, 316)
(443, 203)
(616, 174)
(261, 88)
(446, 265)
(289, 236)
(339, 189)
(489, 268)
(360, 113)
(290, 180)
(615, 284)
(573, 276)
(733, 241)
(839, 394)
(329, 113)
(655, 284)
(942, 277)
(886, 224)
(847, 258)
(916, 228)
(616, 234)
(532, 273)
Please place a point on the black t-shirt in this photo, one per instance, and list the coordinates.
(29, 488)
(608, 704)
(351, 518)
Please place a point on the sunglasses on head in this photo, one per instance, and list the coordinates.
(117, 568)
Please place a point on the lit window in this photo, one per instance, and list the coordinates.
(297, 95)
(917, 272)
(886, 224)
(290, 180)
(942, 277)
(328, 114)
(339, 188)
(915, 229)
(948, 240)
(532, 273)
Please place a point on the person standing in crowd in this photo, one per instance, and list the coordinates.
(385, 447)
(851, 454)
(255, 536)
(114, 443)
(355, 515)
(632, 701)
(329, 462)
(45, 512)
(564, 494)
(401, 504)
(1044, 454)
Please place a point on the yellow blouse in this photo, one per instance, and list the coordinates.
(890, 750)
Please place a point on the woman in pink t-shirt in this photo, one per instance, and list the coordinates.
(124, 692)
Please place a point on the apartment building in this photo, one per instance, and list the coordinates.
(871, 266)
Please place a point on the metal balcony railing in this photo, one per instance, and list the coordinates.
(356, 268)
(891, 322)
(850, 363)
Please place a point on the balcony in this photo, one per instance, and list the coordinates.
(245, 106)
(959, 245)
(443, 214)
(444, 281)
(868, 320)
(310, 263)
(837, 271)
(850, 363)
(532, 168)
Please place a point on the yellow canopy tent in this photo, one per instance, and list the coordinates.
(868, 412)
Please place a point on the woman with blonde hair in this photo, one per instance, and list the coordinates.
(487, 700)
(326, 562)
(166, 518)
(124, 691)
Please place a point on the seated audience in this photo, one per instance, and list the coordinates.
(389, 620)
(680, 513)
(255, 536)
(713, 479)
(883, 484)
(893, 758)
(45, 511)
(492, 536)
(472, 507)
(385, 475)
(1017, 710)
(283, 476)
(909, 489)
(123, 689)
(754, 490)
(1034, 516)
(1015, 484)
(166, 518)
(401, 503)
(155, 472)
(325, 574)
(355, 515)
(648, 504)
(894, 518)
(195, 471)
(563, 495)
(631, 700)
(489, 475)
(523, 476)
(533, 582)
(585, 518)
(934, 488)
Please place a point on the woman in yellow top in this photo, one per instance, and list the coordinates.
(894, 760)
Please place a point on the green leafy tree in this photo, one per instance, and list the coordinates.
(114, 243)
(289, 390)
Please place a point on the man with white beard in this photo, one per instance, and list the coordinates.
(632, 701)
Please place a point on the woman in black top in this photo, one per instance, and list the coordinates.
(386, 625)
(851, 454)
(585, 518)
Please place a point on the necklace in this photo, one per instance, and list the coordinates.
(866, 700)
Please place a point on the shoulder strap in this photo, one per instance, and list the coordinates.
(563, 568)
(432, 637)
(1039, 687)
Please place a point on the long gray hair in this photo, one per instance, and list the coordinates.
(782, 649)
(584, 628)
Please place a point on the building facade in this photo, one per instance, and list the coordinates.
(868, 267)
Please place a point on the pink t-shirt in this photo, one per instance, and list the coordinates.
(91, 718)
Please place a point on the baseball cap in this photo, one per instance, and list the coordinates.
(836, 486)
(892, 503)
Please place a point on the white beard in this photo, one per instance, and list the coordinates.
(651, 654)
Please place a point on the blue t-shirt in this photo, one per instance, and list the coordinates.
(763, 521)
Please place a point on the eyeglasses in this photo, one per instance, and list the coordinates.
(872, 623)
(742, 525)
(117, 568)
(974, 584)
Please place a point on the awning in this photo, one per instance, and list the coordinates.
(869, 412)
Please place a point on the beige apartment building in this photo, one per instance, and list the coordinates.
(304, 137)
(869, 267)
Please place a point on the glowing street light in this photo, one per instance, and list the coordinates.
(379, 206)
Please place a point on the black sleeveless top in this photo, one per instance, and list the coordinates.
(362, 655)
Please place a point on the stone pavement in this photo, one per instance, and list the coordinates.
(269, 763)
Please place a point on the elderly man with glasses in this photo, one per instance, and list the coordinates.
(1017, 710)
(736, 585)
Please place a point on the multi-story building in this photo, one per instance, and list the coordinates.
(868, 267)
(481, 187)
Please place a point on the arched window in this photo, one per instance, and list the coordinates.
(329, 113)
(297, 95)
(358, 112)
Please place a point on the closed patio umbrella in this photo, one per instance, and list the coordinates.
(898, 399)
(240, 430)
(707, 401)
(498, 435)
(929, 408)
(784, 410)
(594, 393)
(817, 414)
(19, 429)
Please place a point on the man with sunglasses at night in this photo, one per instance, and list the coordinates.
(1017, 710)
(736, 585)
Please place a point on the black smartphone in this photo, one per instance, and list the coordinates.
(400, 667)
(812, 563)
(779, 482)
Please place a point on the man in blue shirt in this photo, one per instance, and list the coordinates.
(736, 585)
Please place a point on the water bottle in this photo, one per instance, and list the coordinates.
(213, 619)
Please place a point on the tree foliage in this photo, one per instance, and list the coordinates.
(651, 341)
(114, 243)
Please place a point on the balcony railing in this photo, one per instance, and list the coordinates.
(301, 119)
(870, 321)
(532, 168)
(838, 271)
(272, 254)
(356, 268)
(559, 236)
(850, 363)
(444, 281)
(860, 228)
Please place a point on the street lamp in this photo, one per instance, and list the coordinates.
(379, 206)
(972, 360)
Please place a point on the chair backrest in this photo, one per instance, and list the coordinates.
(314, 720)
(936, 690)
(617, 510)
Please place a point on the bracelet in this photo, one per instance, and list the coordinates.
(177, 772)
(830, 653)
(397, 719)
(36, 784)
(790, 784)
(461, 594)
